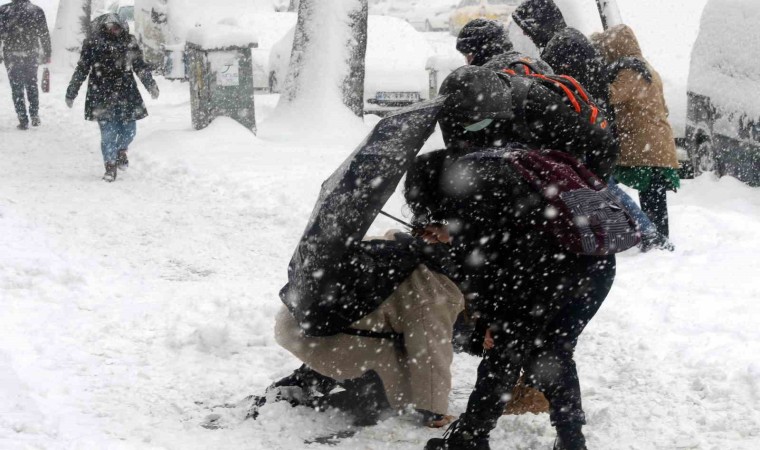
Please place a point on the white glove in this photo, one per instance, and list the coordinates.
(154, 93)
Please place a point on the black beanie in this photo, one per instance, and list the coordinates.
(483, 39)
(475, 94)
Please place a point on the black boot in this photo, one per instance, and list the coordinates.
(300, 388)
(110, 175)
(363, 398)
(122, 161)
(306, 378)
(457, 438)
(570, 437)
(36, 121)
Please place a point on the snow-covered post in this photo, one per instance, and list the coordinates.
(70, 31)
(327, 60)
(609, 12)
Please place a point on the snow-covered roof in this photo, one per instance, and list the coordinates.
(725, 62)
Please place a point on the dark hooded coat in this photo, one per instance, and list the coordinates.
(24, 30)
(111, 62)
(565, 49)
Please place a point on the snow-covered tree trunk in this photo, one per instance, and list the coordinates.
(327, 60)
(69, 31)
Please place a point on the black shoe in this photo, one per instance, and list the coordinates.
(23, 126)
(110, 175)
(570, 437)
(121, 160)
(656, 241)
(455, 438)
(36, 121)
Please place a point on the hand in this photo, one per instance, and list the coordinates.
(488, 342)
(435, 233)
(70, 102)
(154, 93)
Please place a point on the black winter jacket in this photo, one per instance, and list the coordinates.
(542, 119)
(24, 30)
(112, 93)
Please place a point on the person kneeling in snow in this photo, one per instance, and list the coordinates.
(109, 57)
(398, 357)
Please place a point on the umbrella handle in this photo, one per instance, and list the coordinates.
(406, 224)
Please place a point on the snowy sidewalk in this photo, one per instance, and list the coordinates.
(131, 308)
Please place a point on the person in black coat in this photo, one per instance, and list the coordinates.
(485, 43)
(110, 57)
(531, 296)
(25, 39)
(565, 49)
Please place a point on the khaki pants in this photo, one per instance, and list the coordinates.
(423, 309)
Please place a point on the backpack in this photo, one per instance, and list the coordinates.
(583, 215)
(564, 85)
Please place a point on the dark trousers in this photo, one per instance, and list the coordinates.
(655, 204)
(539, 331)
(22, 74)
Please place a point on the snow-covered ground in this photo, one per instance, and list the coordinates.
(131, 310)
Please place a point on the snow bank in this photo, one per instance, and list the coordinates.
(725, 64)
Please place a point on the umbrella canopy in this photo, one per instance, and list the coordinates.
(327, 288)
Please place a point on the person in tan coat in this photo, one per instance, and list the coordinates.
(648, 161)
(414, 374)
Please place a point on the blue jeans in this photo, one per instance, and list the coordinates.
(115, 136)
(642, 220)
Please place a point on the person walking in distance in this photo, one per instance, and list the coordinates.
(110, 58)
(25, 39)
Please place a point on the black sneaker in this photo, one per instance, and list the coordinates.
(36, 121)
(121, 160)
(455, 438)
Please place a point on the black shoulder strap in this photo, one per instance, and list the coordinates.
(631, 63)
(520, 90)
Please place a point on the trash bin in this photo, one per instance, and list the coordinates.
(221, 81)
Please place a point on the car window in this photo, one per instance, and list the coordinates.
(469, 3)
(127, 13)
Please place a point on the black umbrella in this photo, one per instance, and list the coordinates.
(328, 271)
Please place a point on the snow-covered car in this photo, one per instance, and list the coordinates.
(723, 111)
(396, 60)
(423, 15)
(486, 9)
